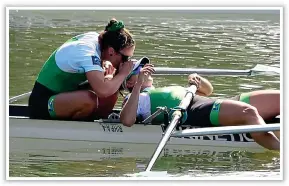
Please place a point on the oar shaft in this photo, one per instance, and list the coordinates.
(226, 130)
(176, 117)
(163, 142)
(186, 71)
(21, 96)
(258, 69)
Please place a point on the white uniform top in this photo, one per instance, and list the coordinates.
(65, 69)
(144, 104)
(80, 56)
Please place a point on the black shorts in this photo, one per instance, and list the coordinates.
(200, 109)
(38, 102)
(199, 112)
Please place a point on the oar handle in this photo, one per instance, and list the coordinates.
(191, 91)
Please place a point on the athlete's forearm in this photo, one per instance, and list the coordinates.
(113, 84)
(129, 111)
(104, 87)
(205, 88)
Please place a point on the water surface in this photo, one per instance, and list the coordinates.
(201, 39)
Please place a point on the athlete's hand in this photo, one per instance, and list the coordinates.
(126, 68)
(194, 79)
(145, 73)
(109, 70)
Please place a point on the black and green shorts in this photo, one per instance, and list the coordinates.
(204, 111)
(41, 102)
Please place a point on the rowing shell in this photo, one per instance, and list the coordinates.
(21, 126)
(115, 132)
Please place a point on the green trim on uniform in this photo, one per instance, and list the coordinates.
(214, 115)
(51, 107)
(52, 77)
(168, 97)
(245, 97)
(57, 80)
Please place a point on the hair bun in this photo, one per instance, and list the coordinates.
(114, 25)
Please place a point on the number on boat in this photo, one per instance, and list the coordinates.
(111, 128)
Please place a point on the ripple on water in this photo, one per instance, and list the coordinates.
(169, 38)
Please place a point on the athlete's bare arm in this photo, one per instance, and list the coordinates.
(104, 88)
(129, 110)
(205, 87)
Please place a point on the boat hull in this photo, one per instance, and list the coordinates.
(116, 133)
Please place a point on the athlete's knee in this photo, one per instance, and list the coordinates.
(89, 101)
(249, 112)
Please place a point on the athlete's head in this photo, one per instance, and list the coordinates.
(117, 43)
(131, 79)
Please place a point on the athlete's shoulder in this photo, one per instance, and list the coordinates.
(82, 45)
(81, 54)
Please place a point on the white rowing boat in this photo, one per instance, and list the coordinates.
(110, 131)
(20, 126)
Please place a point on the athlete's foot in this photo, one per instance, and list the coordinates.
(266, 139)
(277, 134)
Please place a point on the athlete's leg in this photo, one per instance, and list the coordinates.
(230, 113)
(106, 105)
(267, 102)
(73, 105)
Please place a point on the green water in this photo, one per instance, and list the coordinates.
(211, 39)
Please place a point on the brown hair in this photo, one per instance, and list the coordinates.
(117, 38)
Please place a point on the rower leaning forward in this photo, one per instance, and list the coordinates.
(101, 58)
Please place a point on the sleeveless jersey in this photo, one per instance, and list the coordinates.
(149, 100)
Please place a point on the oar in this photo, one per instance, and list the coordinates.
(176, 117)
(21, 96)
(258, 69)
(227, 130)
